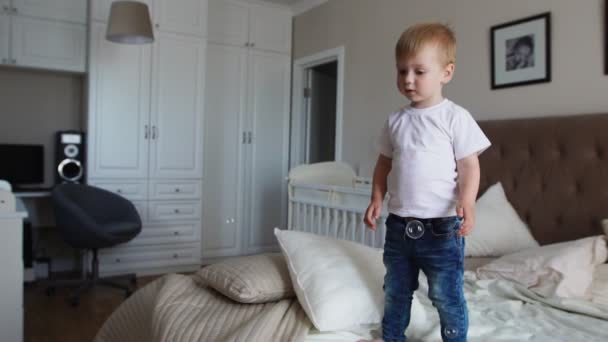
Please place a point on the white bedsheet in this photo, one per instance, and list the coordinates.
(500, 310)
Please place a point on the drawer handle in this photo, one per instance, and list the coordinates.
(175, 256)
(176, 211)
(176, 189)
(117, 259)
(176, 233)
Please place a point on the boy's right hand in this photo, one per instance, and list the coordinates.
(372, 213)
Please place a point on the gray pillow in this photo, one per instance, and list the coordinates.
(252, 279)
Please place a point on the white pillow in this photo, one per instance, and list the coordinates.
(337, 282)
(498, 229)
(562, 269)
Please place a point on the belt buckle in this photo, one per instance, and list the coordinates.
(414, 229)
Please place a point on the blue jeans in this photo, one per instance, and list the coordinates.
(439, 253)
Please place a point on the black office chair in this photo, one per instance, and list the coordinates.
(90, 218)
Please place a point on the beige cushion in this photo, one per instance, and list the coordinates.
(251, 279)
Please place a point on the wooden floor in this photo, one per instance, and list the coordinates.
(53, 319)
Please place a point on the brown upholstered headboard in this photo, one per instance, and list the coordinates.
(554, 171)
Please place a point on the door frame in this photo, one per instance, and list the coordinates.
(299, 111)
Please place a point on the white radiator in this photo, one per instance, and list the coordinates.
(328, 199)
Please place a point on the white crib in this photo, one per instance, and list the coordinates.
(328, 199)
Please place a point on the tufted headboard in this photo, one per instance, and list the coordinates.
(554, 171)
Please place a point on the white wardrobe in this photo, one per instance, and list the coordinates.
(145, 133)
(43, 34)
(193, 129)
(246, 139)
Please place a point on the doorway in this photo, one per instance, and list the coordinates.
(320, 95)
(316, 130)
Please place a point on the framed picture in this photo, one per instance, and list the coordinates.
(521, 52)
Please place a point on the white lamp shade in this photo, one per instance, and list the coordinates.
(129, 23)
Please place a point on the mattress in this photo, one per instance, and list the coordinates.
(498, 318)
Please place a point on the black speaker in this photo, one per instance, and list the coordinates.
(70, 157)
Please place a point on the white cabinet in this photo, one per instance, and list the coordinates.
(178, 78)
(48, 44)
(131, 136)
(181, 16)
(119, 108)
(246, 127)
(145, 128)
(11, 286)
(177, 16)
(5, 38)
(225, 130)
(270, 29)
(228, 22)
(246, 149)
(44, 34)
(65, 10)
(269, 80)
(251, 25)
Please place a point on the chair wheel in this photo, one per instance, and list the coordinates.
(74, 301)
(50, 291)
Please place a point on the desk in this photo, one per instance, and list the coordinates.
(32, 194)
(37, 204)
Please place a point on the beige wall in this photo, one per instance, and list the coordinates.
(369, 29)
(35, 105)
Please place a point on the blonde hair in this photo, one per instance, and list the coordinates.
(419, 35)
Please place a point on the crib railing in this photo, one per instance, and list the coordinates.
(333, 211)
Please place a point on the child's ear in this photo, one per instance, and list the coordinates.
(448, 73)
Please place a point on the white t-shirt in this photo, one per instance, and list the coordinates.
(424, 144)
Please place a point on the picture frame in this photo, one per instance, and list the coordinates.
(521, 52)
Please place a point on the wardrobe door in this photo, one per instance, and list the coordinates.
(178, 78)
(181, 16)
(223, 142)
(119, 108)
(228, 22)
(269, 80)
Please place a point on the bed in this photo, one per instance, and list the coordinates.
(554, 172)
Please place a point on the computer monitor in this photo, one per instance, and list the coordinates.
(22, 165)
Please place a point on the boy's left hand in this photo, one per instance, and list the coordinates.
(467, 212)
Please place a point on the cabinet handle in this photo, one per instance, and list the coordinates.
(4, 61)
(5, 8)
(14, 10)
(117, 259)
(252, 44)
(154, 133)
(176, 189)
(157, 25)
(119, 191)
(14, 61)
(244, 137)
(175, 256)
(249, 137)
(176, 233)
(176, 211)
(146, 132)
